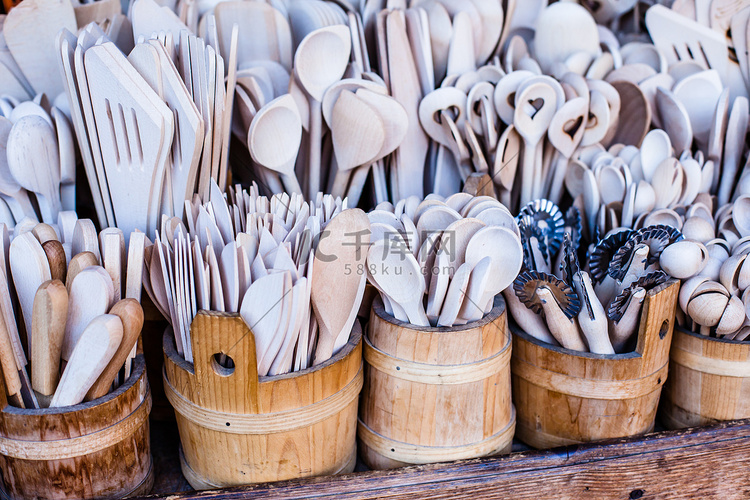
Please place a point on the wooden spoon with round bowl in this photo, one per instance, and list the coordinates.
(274, 139)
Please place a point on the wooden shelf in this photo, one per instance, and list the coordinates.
(710, 462)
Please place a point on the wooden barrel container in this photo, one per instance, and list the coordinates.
(435, 394)
(709, 381)
(567, 397)
(98, 449)
(238, 428)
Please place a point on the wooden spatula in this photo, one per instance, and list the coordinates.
(335, 291)
(10, 368)
(55, 253)
(98, 343)
(48, 329)
(130, 313)
(66, 43)
(90, 296)
(30, 269)
(136, 128)
(30, 31)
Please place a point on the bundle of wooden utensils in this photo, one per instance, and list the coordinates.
(37, 161)
(152, 126)
(76, 296)
(287, 98)
(289, 267)
(453, 254)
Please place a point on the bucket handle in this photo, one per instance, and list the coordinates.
(221, 386)
(656, 325)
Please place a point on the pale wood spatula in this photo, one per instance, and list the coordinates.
(130, 313)
(343, 245)
(98, 343)
(48, 329)
(136, 130)
(29, 267)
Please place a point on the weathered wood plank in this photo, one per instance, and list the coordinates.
(707, 462)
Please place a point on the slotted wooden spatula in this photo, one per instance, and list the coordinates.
(135, 132)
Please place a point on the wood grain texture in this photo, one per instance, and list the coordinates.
(214, 456)
(120, 468)
(555, 390)
(665, 465)
(411, 409)
(709, 381)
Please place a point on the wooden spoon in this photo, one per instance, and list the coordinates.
(44, 232)
(13, 194)
(503, 269)
(563, 29)
(398, 274)
(85, 238)
(565, 133)
(130, 313)
(472, 306)
(34, 161)
(358, 134)
(98, 343)
(262, 311)
(274, 139)
(320, 60)
(11, 369)
(535, 108)
(699, 93)
(48, 329)
(733, 147)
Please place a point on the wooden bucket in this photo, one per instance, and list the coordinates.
(237, 428)
(435, 394)
(567, 397)
(709, 381)
(99, 449)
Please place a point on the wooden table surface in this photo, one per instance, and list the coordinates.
(707, 462)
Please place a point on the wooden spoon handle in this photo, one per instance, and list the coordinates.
(324, 349)
(23, 203)
(10, 369)
(558, 178)
(316, 131)
(340, 182)
(291, 183)
(381, 186)
(416, 314)
(357, 184)
(527, 173)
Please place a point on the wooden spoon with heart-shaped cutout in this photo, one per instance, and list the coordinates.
(535, 107)
(565, 133)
